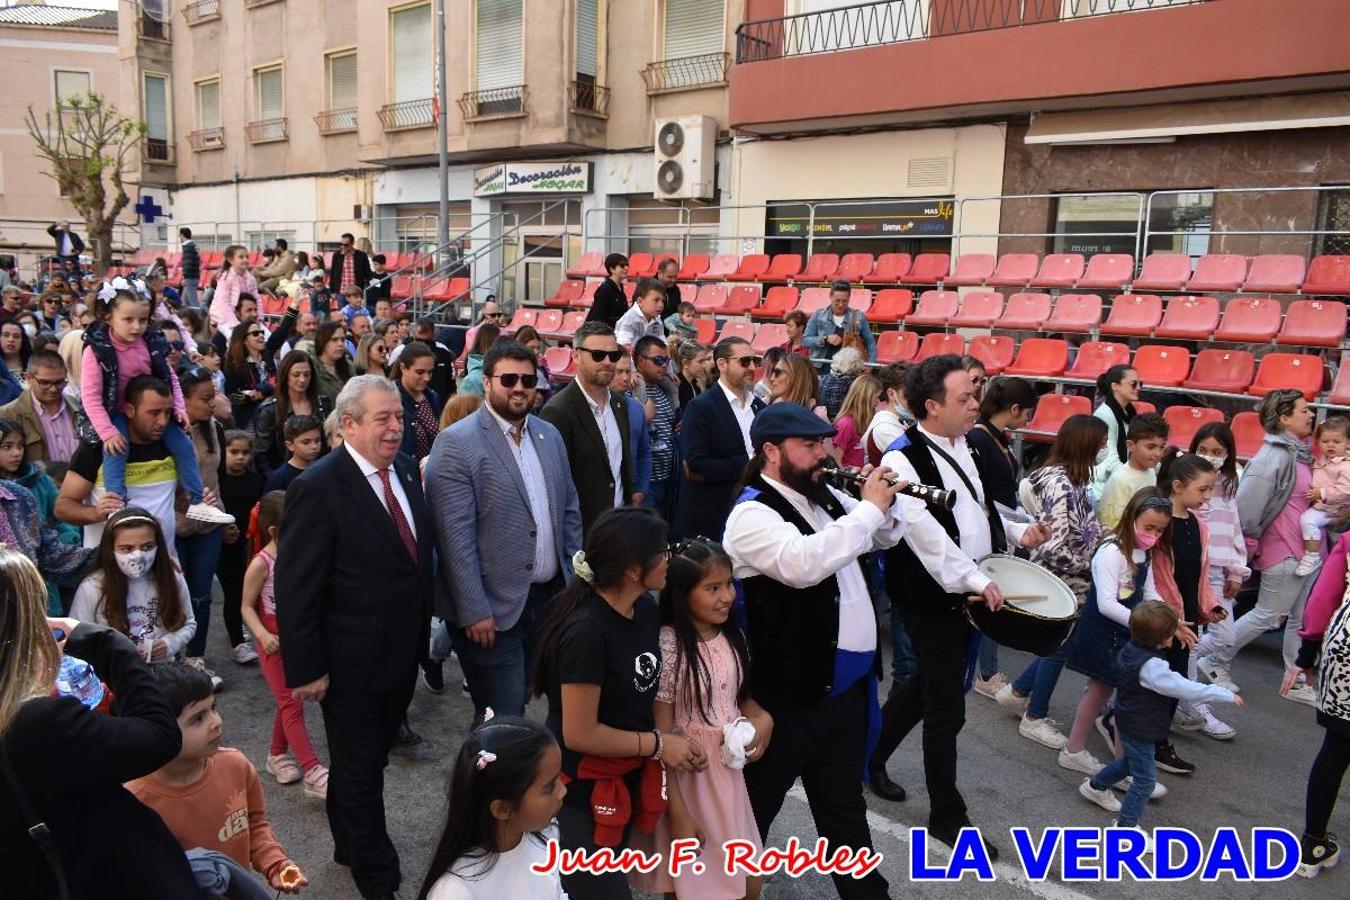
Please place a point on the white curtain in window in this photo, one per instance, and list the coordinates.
(342, 81)
(588, 37)
(271, 104)
(693, 27)
(156, 107)
(410, 38)
(71, 84)
(500, 44)
(208, 104)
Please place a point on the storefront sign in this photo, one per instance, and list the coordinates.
(897, 218)
(532, 178)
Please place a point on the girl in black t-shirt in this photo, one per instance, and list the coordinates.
(599, 665)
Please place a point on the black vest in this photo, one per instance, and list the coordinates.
(908, 581)
(1142, 714)
(793, 632)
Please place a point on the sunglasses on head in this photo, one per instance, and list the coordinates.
(749, 362)
(601, 355)
(511, 379)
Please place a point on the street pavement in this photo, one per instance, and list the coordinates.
(1257, 779)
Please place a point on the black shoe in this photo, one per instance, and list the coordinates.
(1166, 758)
(949, 836)
(433, 677)
(882, 785)
(1318, 854)
(406, 736)
(1106, 727)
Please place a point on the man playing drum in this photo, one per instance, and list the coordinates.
(929, 576)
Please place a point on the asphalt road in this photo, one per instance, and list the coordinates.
(1257, 779)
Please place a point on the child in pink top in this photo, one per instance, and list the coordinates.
(234, 280)
(1330, 492)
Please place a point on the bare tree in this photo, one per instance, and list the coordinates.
(89, 145)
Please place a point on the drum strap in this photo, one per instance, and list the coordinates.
(998, 442)
(998, 540)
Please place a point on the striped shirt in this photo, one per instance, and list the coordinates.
(662, 431)
(1227, 549)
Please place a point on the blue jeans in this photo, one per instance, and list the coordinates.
(198, 554)
(189, 293)
(178, 444)
(1139, 764)
(1038, 681)
(499, 675)
(903, 663)
(988, 658)
(661, 497)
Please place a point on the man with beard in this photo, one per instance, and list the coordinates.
(666, 273)
(499, 472)
(794, 542)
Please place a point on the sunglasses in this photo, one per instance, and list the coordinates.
(495, 315)
(601, 355)
(777, 372)
(749, 362)
(248, 334)
(509, 380)
(179, 345)
(662, 361)
(1136, 384)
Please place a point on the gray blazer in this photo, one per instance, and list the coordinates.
(481, 516)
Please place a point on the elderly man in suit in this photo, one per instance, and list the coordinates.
(354, 572)
(493, 474)
(594, 424)
(715, 441)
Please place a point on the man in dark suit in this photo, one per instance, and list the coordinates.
(350, 266)
(594, 424)
(715, 441)
(355, 577)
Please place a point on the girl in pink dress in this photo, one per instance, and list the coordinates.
(703, 687)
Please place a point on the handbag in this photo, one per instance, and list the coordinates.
(37, 829)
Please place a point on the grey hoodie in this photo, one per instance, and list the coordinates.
(1266, 484)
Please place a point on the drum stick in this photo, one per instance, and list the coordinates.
(979, 598)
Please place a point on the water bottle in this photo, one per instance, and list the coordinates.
(77, 679)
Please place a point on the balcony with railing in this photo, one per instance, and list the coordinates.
(207, 139)
(408, 114)
(154, 24)
(588, 98)
(336, 121)
(687, 73)
(496, 103)
(874, 60)
(201, 11)
(266, 130)
(157, 152)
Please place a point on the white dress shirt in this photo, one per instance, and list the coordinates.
(951, 566)
(372, 473)
(613, 438)
(744, 411)
(536, 490)
(761, 542)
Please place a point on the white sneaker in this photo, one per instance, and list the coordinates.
(1103, 798)
(1308, 564)
(205, 512)
(1082, 761)
(1005, 698)
(1302, 694)
(989, 687)
(1043, 732)
(1214, 727)
(283, 768)
(243, 654)
(200, 664)
(1217, 674)
(1148, 841)
(1159, 789)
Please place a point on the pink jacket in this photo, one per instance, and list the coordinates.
(1329, 592)
(1165, 579)
(1332, 478)
(228, 289)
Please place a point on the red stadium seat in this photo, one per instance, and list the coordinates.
(1143, 406)
(1164, 272)
(928, 268)
(567, 294)
(1135, 314)
(1275, 273)
(711, 298)
(738, 328)
(860, 299)
(524, 315)
(855, 267)
(212, 259)
(994, 351)
(641, 265)
(548, 322)
(1288, 370)
(1184, 421)
(780, 299)
(404, 286)
(1015, 270)
(1025, 312)
(591, 265)
(693, 266)
(1328, 275)
(1248, 434)
(971, 269)
(1249, 320)
(629, 289)
(1340, 391)
(938, 343)
(273, 306)
(979, 309)
(1230, 371)
(897, 346)
(561, 367)
(784, 267)
(1192, 318)
(821, 267)
(1161, 366)
(1059, 270)
(742, 299)
(935, 308)
(707, 330)
(891, 305)
(1052, 411)
(1095, 357)
(571, 321)
(1108, 271)
(770, 334)
(1313, 323)
(889, 269)
(814, 298)
(1075, 313)
(1040, 356)
(445, 290)
(1218, 272)
(587, 295)
(722, 267)
(753, 267)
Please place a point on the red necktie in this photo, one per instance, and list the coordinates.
(396, 511)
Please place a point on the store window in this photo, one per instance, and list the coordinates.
(1175, 222)
(859, 226)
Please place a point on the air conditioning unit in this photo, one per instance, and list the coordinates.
(685, 158)
(362, 212)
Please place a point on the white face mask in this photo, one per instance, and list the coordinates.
(1215, 461)
(135, 563)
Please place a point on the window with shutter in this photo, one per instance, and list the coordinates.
(410, 36)
(157, 107)
(72, 84)
(208, 105)
(588, 39)
(693, 27)
(270, 96)
(341, 112)
(500, 44)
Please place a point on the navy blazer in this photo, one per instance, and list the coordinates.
(570, 412)
(714, 463)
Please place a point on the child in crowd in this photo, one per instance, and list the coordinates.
(332, 430)
(681, 321)
(355, 305)
(292, 755)
(14, 466)
(1148, 690)
(506, 790)
(304, 440)
(211, 361)
(1330, 491)
(704, 692)
(1145, 440)
(1228, 569)
(210, 796)
(240, 488)
(117, 348)
(136, 589)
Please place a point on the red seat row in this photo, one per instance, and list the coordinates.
(1053, 410)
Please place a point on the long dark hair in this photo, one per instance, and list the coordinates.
(1144, 499)
(190, 379)
(8, 427)
(1219, 431)
(1178, 465)
(113, 603)
(283, 394)
(236, 353)
(1003, 392)
(1076, 446)
(619, 539)
(322, 336)
(690, 562)
(1123, 414)
(517, 745)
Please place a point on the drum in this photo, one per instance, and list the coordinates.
(1039, 614)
